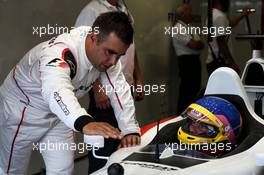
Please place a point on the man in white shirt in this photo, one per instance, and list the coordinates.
(218, 52)
(39, 98)
(187, 47)
(99, 102)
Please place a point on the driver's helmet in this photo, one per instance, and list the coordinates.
(210, 120)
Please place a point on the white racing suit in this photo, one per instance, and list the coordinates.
(39, 103)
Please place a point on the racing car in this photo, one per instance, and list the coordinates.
(156, 154)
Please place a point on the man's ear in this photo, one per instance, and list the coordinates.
(93, 37)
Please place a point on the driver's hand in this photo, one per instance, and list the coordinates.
(103, 129)
(129, 141)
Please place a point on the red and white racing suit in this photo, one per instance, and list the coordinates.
(39, 102)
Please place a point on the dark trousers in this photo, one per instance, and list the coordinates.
(215, 64)
(110, 144)
(190, 85)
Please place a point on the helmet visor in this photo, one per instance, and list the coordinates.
(200, 129)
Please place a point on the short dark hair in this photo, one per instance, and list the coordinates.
(117, 22)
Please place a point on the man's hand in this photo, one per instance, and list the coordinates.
(233, 21)
(103, 129)
(247, 11)
(139, 93)
(130, 140)
(101, 99)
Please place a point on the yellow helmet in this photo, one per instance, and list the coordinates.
(210, 120)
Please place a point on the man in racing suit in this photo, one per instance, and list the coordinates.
(99, 106)
(39, 97)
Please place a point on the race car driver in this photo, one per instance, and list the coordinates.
(39, 97)
(213, 124)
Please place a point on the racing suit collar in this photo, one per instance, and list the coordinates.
(86, 64)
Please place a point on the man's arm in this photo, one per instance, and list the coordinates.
(195, 45)
(123, 104)
(86, 17)
(103, 102)
(233, 21)
(187, 40)
(57, 91)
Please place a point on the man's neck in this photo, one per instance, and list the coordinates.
(112, 2)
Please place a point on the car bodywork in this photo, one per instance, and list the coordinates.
(247, 158)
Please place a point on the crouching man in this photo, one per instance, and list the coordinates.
(39, 97)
